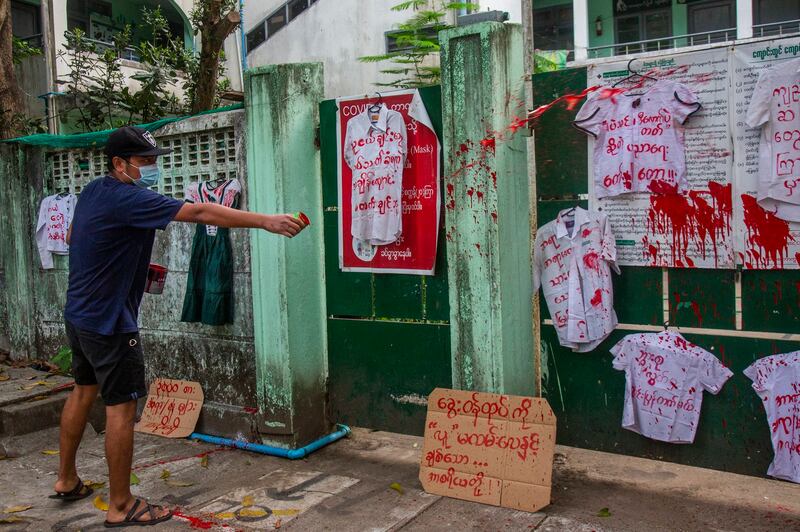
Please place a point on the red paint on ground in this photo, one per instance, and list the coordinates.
(179, 458)
(250, 410)
(767, 236)
(597, 299)
(195, 522)
(592, 261)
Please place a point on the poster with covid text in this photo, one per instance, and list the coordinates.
(763, 241)
(388, 184)
(692, 228)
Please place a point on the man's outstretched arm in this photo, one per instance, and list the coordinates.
(213, 214)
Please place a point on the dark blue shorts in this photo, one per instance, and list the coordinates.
(115, 363)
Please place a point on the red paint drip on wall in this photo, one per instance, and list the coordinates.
(697, 314)
(767, 236)
(488, 144)
(688, 219)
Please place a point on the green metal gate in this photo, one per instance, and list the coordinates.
(583, 389)
(388, 334)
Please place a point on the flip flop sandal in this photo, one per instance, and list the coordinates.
(81, 491)
(132, 519)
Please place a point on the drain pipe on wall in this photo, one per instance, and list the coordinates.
(291, 454)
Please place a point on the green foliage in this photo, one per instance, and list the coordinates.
(22, 50)
(98, 93)
(415, 38)
(63, 360)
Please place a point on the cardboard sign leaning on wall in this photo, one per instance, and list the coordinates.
(172, 408)
(489, 448)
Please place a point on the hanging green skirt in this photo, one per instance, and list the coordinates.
(209, 290)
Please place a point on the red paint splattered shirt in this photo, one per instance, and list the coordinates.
(226, 194)
(639, 137)
(665, 376)
(775, 108)
(776, 379)
(55, 217)
(376, 152)
(573, 257)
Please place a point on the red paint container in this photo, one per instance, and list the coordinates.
(156, 278)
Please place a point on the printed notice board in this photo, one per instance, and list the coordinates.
(172, 408)
(415, 250)
(489, 448)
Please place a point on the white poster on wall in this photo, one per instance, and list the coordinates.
(693, 229)
(763, 241)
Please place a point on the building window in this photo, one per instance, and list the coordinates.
(276, 21)
(714, 20)
(25, 22)
(775, 17)
(646, 26)
(296, 7)
(392, 46)
(553, 28)
(256, 36)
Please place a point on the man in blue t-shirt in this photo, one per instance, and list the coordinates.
(111, 239)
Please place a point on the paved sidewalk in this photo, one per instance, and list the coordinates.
(347, 487)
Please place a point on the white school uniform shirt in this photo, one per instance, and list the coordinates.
(376, 153)
(573, 267)
(776, 379)
(226, 193)
(665, 376)
(639, 138)
(55, 217)
(775, 108)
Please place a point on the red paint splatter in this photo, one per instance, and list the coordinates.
(592, 261)
(450, 189)
(463, 148)
(767, 236)
(724, 424)
(488, 144)
(797, 258)
(778, 295)
(494, 179)
(179, 458)
(494, 217)
(479, 195)
(451, 205)
(250, 410)
(470, 193)
(597, 299)
(195, 522)
(697, 314)
(586, 232)
(689, 219)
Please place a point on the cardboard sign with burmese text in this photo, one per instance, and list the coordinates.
(489, 448)
(172, 408)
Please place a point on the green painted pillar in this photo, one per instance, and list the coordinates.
(487, 212)
(283, 167)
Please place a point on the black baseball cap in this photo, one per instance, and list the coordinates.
(128, 141)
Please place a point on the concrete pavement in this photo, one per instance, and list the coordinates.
(348, 487)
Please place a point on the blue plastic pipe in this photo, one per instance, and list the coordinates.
(292, 454)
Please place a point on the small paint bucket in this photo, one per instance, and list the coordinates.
(156, 277)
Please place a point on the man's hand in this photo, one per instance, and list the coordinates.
(283, 224)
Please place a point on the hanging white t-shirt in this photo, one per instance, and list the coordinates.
(665, 376)
(55, 217)
(775, 108)
(776, 379)
(376, 153)
(639, 137)
(226, 193)
(572, 260)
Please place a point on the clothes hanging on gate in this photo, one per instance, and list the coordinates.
(776, 380)
(775, 109)
(573, 258)
(55, 217)
(665, 376)
(209, 288)
(376, 152)
(639, 137)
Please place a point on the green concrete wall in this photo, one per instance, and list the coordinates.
(289, 311)
(487, 215)
(388, 334)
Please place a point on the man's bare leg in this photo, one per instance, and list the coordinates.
(73, 422)
(120, 420)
